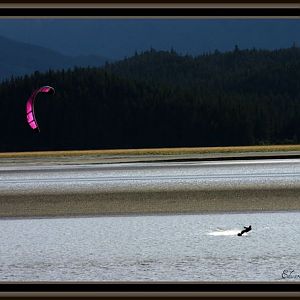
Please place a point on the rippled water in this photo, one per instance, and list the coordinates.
(177, 247)
(156, 176)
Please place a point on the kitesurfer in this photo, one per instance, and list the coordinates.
(246, 229)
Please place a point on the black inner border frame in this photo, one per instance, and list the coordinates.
(150, 287)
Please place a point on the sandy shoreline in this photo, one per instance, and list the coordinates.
(148, 202)
(142, 202)
(132, 158)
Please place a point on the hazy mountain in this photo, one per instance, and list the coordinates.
(116, 38)
(18, 58)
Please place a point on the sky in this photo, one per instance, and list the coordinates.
(117, 38)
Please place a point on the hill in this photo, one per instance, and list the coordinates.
(160, 99)
(244, 71)
(17, 58)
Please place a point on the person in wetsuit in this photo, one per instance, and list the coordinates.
(246, 229)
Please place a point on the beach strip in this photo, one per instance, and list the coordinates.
(149, 202)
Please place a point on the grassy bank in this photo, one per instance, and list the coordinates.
(153, 151)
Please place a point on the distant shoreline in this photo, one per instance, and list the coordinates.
(149, 155)
(155, 151)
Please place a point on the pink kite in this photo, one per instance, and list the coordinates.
(30, 105)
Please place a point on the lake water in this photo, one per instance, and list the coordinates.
(271, 173)
(152, 248)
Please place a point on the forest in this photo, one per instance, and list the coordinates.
(159, 99)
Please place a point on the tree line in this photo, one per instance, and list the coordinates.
(159, 99)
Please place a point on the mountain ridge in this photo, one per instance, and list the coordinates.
(19, 58)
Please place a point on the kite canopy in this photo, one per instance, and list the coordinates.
(30, 105)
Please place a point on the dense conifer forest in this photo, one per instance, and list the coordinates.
(159, 99)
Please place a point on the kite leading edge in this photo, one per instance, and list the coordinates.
(30, 105)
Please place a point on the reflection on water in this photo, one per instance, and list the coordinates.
(179, 247)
